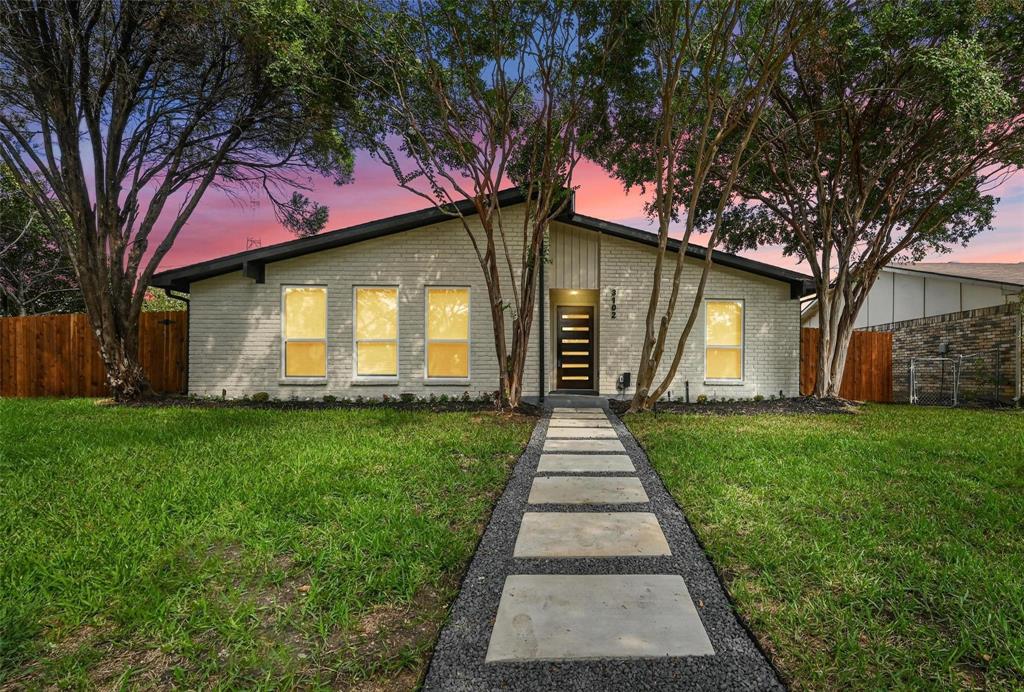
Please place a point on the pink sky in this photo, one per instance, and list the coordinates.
(221, 225)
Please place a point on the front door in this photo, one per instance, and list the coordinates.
(575, 348)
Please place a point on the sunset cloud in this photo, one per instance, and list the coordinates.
(222, 223)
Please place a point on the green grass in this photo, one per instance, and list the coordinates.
(230, 547)
(875, 551)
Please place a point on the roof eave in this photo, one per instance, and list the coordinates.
(800, 284)
(181, 278)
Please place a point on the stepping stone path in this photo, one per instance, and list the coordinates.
(586, 616)
(588, 577)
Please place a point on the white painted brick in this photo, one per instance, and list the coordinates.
(235, 323)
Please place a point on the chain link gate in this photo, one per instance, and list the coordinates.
(933, 381)
(979, 379)
(986, 379)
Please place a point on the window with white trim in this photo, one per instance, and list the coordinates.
(723, 340)
(304, 331)
(447, 355)
(376, 331)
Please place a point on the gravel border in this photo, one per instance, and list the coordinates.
(458, 658)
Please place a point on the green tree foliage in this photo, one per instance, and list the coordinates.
(35, 276)
(156, 300)
(890, 125)
(119, 116)
(482, 96)
(684, 96)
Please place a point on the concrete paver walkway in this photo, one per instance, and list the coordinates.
(589, 577)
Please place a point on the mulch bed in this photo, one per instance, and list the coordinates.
(794, 406)
(457, 405)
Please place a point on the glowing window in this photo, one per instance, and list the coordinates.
(723, 340)
(305, 331)
(376, 331)
(448, 332)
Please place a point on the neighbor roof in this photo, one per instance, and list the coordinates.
(996, 272)
(251, 262)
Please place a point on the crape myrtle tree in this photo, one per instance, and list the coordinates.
(690, 83)
(889, 127)
(484, 96)
(117, 117)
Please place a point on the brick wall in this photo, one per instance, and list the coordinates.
(771, 358)
(235, 340)
(235, 343)
(988, 339)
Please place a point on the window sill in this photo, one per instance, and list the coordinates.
(724, 383)
(446, 382)
(307, 382)
(374, 381)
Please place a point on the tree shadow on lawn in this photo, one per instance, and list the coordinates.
(199, 597)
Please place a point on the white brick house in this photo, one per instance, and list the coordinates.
(400, 306)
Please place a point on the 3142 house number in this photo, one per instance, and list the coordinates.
(615, 308)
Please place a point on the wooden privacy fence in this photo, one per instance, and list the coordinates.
(868, 373)
(57, 355)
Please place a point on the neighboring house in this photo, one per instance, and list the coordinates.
(923, 289)
(963, 312)
(400, 306)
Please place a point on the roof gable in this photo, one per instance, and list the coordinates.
(252, 262)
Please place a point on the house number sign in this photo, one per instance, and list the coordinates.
(615, 308)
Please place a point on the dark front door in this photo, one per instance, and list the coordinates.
(575, 347)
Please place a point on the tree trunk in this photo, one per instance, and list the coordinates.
(117, 334)
(644, 377)
(517, 358)
(836, 320)
(823, 381)
(840, 347)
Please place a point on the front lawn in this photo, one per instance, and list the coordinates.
(877, 550)
(198, 547)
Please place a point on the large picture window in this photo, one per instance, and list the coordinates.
(376, 331)
(447, 333)
(723, 341)
(305, 331)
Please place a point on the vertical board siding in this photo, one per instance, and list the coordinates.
(575, 257)
(868, 373)
(57, 355)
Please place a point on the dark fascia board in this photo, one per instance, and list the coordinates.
(252, 261)
(800, 284)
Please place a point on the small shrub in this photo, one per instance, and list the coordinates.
(385, 399)
(360, 400)
(466, 398)
(758, 397)
(330, 398)
(261, 397)
(407, 397)
(443, 399)
(702, 399)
